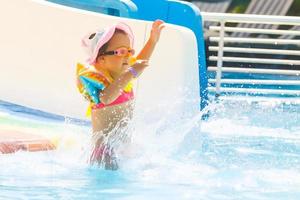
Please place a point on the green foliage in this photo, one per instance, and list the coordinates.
(295, 9)
(238, 6)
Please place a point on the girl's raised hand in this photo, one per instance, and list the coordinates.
(142, 63)
(139, 67)
(157, 26)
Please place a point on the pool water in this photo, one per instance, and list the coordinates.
(245, 150)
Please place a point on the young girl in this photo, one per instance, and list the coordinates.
(106, 83)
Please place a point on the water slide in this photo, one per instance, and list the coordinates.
(40, 46)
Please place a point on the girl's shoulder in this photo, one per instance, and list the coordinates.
(89, 71)
(89, 82)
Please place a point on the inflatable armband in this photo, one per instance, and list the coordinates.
(90, 83)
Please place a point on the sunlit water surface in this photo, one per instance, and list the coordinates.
(245, 150)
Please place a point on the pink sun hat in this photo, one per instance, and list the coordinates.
(92, 45)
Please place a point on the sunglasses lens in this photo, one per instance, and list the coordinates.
(124, 52)
(131, 51)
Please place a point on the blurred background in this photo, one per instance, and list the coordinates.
(241, 6)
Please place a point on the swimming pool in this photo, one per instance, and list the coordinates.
(245, 150)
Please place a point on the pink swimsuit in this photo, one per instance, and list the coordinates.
(124, 97)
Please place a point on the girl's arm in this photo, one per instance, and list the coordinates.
(146, 52)
(112, 92)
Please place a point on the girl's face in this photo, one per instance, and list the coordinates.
(115, 64)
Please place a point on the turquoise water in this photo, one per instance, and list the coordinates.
(245, 150)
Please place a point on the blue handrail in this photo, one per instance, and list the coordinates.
(121, 8)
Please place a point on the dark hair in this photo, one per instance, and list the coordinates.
(105, 46)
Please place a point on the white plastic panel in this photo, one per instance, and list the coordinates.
(40, 46)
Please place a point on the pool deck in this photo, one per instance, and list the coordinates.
(12, 141)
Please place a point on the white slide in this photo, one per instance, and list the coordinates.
(40, 45)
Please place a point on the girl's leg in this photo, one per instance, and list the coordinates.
(103, 153)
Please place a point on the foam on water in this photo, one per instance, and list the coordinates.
(245, 150)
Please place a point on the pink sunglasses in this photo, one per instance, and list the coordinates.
(122, 51)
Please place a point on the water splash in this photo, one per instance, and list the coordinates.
(246, 149)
